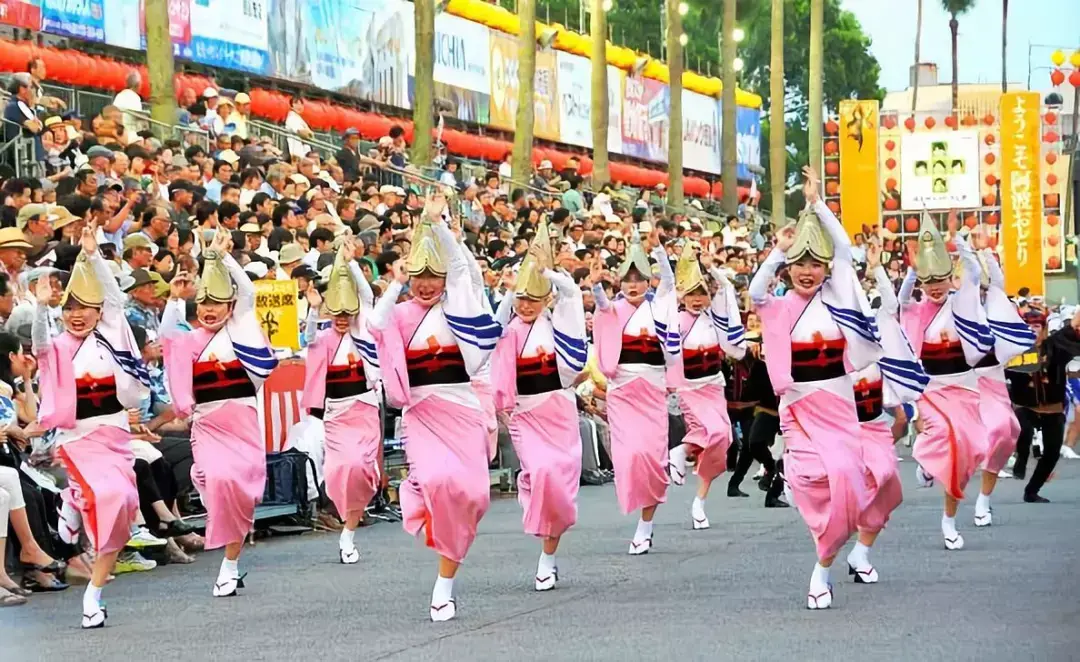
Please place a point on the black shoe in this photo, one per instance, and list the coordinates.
(1019, 473)
(175, 529)
(776, 502)
(57, 567)
(765, 482)
(590, 477)
(1035, 498)
(33, 585)
(736, 492)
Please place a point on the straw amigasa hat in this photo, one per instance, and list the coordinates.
(531, 281)
(215, 285)
(636, 258)
(341, 297)
(425, 255)
(83, 285)
(932, 260)
(688, 276)
(810, 239)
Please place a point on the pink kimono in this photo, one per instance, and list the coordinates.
(949, 339)
(427, 357)
(1010, 337)
(533, 369)
(87, 385)
(812, 345)
(697, 377)
(214, 377)
(633, 347)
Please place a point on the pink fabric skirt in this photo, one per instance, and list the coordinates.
(638, 419)
(826, 474)
(707, 428)
(351, 464)
(101, 468)
(548, 443)
(486, 395)
(448, 489)
(1002, 428)
(229, 470)
(879, 455)
(953, 442)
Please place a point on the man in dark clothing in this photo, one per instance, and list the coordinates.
(1037, 390)
(348, 157)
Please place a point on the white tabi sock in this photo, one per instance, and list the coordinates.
(859, 556)
(91, 600)
(546, 565)
(819, 581)
(644, 531)
(443, 591)
(229, 570)
(698, 509)
(982, 504)
(948, 526)
(345, 542)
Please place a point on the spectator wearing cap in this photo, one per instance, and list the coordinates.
(20, 117)
(542, 179)
(300, 184)
(225, 108)
(100, 161)
(138, 253)
(59, 148)
(141, 308)
(181, 196)
(348, 157)
(238, 119)
(13, 251)
(35, 221)
(290, 257)
(212, 120)
(253, 238)
(223, 171)
(389, 197)
(295, 123)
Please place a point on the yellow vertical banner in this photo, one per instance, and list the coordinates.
(276, 308)
(859, 203)
(1021, 199)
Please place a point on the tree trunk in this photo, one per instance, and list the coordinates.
(675, 119)
(159, 63)
(953, 26)
(817, 101)
(777, 139)
(729, 162)
(600, 118)
(521, 164)
(424, 83)
(918, 42)
(1004, 45)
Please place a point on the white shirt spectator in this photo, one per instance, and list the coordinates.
(297, 148)
(128, 101)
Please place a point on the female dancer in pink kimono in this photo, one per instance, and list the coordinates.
(90, 375)
(428, 349)
(533, 370)
(709, 328)
(215, 372)
(949, 334)
(879, 389)
(1010, 337)
(341, 373)
(815, 337)
(633, 346)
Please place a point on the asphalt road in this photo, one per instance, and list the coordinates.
(736, 592)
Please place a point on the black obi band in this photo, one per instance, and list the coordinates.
(868, 402)
(538, 374)
(344, 381)
(818, 360)
(214, 381)
(702, 362)
(642, 350)
(96, 397)
(945, 358)
(436, 365)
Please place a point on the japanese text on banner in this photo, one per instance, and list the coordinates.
(1021, 202)
(276, 308)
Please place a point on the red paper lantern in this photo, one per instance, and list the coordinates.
(890, 145)
(950, 246)
(892, 204)
(890, 184)
(888, 122)
(1051, 136)
(890, 163)
(831, 128)
(1052, 220)
(990, 180)
(1074, 78)
(969, 120)
(991, 219)
(971, 221)
(911, 224)
(988, 119)
(892, 225)
(1057, 77)
(989, 139)
(1050, 117)
(1051, 157)
(832, 168)
(831, 147)
(910, 123)
(834, 206)
(1051, 200)
(989, 199)
(1053, 240)
(929, 122)
(831, 188)
(1051, 179)
(989, 158)
(1053, 262)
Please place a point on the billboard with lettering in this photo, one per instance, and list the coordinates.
(82, 19)
(504, 88)
(940, 170)
(573, 79)
(462, 66)
(701, 132)
(645, 111)
(21, 14)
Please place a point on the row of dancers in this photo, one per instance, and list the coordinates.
(456, 368)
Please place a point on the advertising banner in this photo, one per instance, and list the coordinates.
(504, 88)
(574, 84)
(645, 119)
(747, 139)
(701, 132)
(81, 19)
(940, 170)
(1021, 199)
(859, 164)
(21, 14)
(230, 34)
(616, 79)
